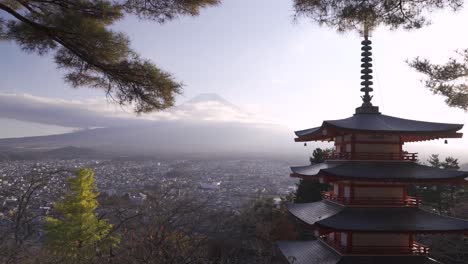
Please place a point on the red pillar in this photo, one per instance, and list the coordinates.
(349, 242)
(353, 146)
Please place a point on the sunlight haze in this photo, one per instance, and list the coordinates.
(275, 69)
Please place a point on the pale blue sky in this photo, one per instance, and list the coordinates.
(253, 54)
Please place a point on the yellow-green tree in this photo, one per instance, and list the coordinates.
(78, 232)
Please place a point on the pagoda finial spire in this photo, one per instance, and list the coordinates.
(366, 76)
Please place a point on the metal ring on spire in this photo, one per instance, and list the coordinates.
(366, 71)
(366, 77)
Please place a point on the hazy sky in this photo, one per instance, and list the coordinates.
(253, 54)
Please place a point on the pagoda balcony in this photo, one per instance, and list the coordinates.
(372, 201)
(415, 249)
(372, 156)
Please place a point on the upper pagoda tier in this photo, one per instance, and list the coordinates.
(377, 123)
(367, 119)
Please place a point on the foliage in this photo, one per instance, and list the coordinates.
(78, 232)
(441, 198)
(346, 15)
(447, 200)
(20, 228)
(311, 190)
(174, 228)
(450, 163)
(166, 228)
(319, 155)
(79, 34)
(251, 236)
(448, 80)
(267, 221)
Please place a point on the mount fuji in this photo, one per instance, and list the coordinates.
(206, 125)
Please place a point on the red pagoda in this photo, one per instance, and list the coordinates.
(368, 217)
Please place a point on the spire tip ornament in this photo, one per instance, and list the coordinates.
(366, 107)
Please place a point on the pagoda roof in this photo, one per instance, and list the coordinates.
(308, 252)
(377, 171)
(387, 260)
(317, 252)
(310, 213)
(393, 219)
(410, 130)
(374, 219)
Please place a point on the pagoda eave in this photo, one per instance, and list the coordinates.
(308, 252)
(405, 136)
(329, 216)
(385, 171)
(382, 125)
(327, 178)
(319, 252)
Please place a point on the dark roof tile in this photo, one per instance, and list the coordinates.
(378, 170)
(392, 220)
(380, 124)
(313, 212)
(308, 252)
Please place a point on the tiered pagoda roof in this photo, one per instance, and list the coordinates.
(316, 251)
(367, 216)
(400, 171)
(325, 214)
(376, 123)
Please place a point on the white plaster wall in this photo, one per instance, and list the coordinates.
(348, 147)
(382, 148)
(347, 191)
(344, 239)
(337, 148)
(393, 240)
(395, 139)
(390, 192)
(335, 189)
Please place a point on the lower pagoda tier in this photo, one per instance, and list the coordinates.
(329, 216)
(318, 252)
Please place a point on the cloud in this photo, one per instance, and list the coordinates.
(100, 113)
(68, 113)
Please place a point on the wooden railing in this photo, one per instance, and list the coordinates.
(414, 249)
(420, 249)
(372, 201)
(371, 156)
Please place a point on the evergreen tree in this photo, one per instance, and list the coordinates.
(345, 15)
(311, 190)
(78, 33)
(78, 233)
(448, 200)
(448, 80)
(434, 161)
(440, 197)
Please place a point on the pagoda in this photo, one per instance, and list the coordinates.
(367, 216)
